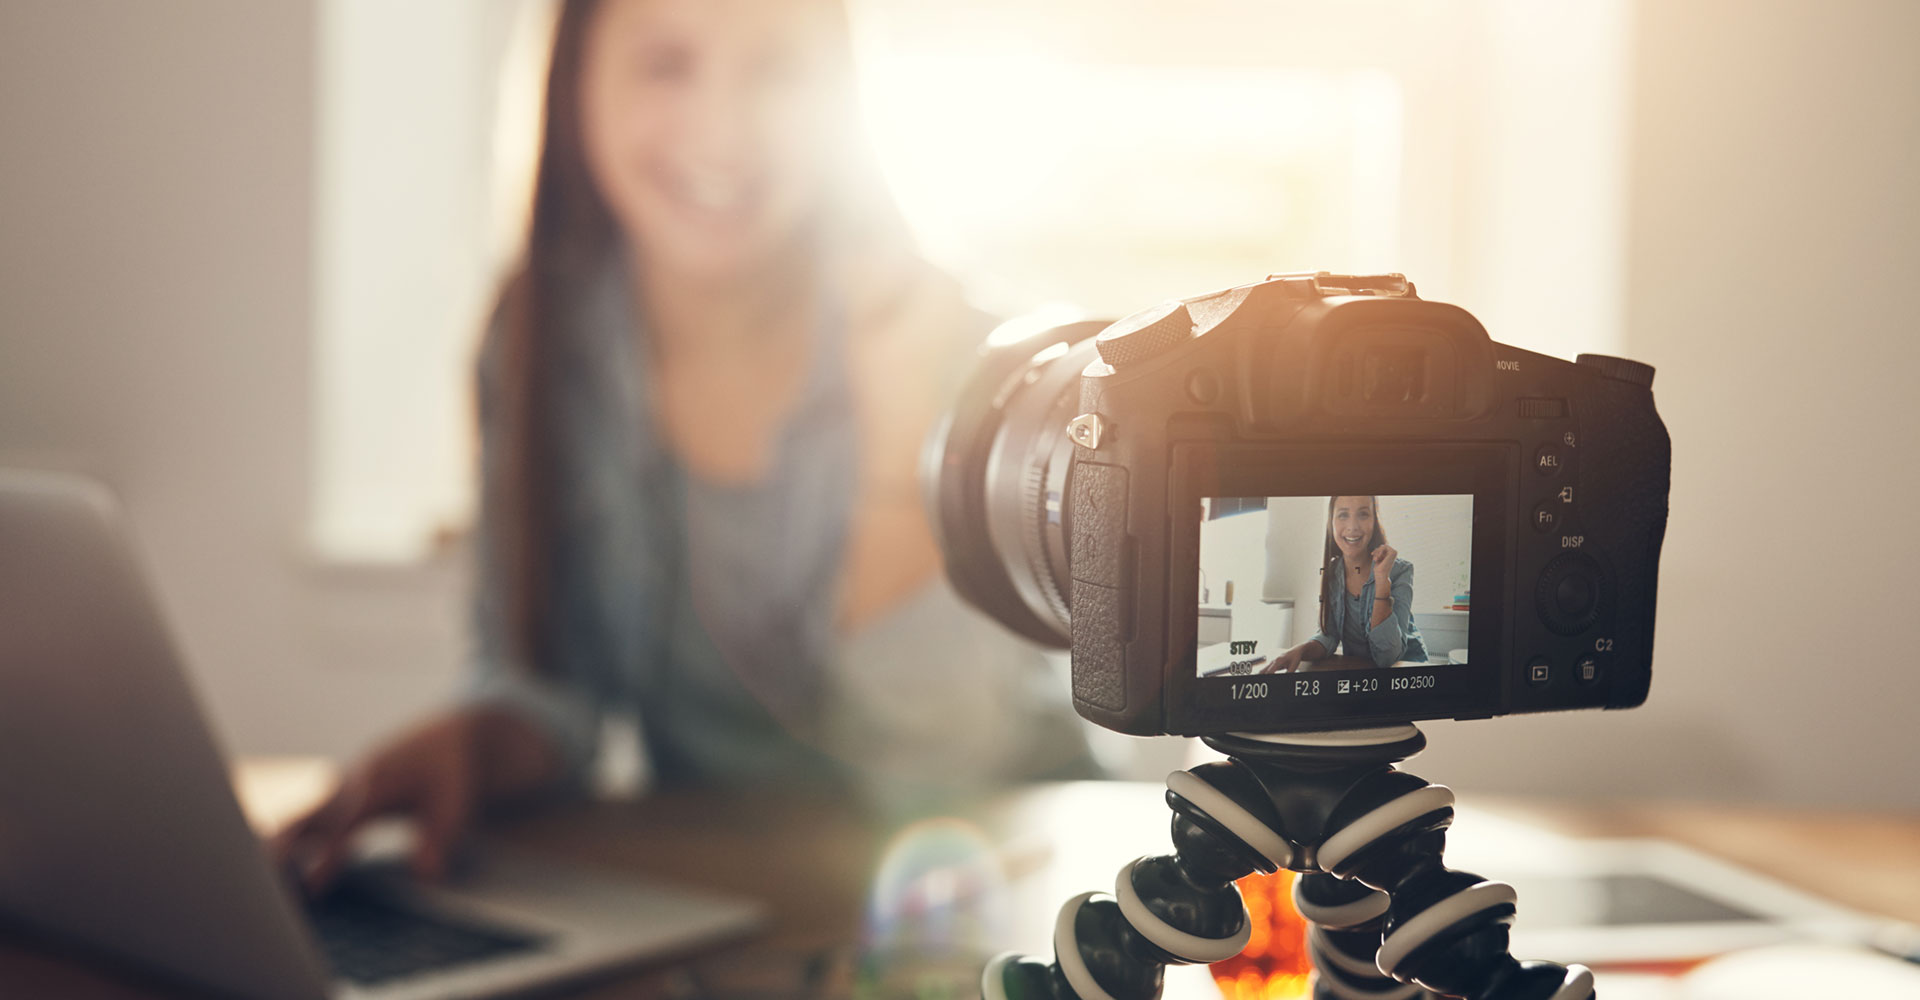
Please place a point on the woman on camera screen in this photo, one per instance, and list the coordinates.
(1366, 594)
(701, 403)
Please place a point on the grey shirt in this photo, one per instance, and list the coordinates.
(1350, 618)
(705, 611)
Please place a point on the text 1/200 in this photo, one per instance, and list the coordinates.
(1244, 690)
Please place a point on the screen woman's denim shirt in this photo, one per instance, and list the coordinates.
(1397, 638)
(705, 612)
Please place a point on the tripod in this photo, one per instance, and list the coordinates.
(1390, 921)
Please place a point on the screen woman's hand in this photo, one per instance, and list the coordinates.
(1383, 558)
(1285, 663)
(438, 774)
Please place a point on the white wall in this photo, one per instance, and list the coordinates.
(1232, 550)
(155, 319)
(155, 304)
(409, 233)
(1275, 557)
(1434, 533)
(1773, 245)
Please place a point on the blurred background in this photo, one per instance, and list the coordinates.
(245, 249)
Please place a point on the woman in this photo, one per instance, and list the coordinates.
(702, 400)
(1366, 593)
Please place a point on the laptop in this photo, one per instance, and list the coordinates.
(120, 831)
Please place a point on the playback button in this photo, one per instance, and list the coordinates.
(1539, 671)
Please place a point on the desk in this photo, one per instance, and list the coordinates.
(813, 864)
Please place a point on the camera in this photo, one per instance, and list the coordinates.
(1176, 497)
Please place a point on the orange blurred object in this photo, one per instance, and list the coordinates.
(1274, 964)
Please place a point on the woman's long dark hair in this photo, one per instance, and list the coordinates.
(1329, 579)
(569, 226)
(571, 233)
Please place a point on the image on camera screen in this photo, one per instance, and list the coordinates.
(1295, 584)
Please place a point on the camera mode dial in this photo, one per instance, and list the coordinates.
(1625, 370)
(1145, 334)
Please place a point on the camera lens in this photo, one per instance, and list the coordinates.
(995, 475)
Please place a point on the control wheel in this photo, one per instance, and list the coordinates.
(1571, 593)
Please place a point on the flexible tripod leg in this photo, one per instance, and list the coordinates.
(1346, 921)
(1319, 803)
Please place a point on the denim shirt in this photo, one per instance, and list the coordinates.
(1397, 638)
(706, 611)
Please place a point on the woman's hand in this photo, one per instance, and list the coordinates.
(437, 774)
(1285, 663)
(1383, 558)
(898, 396)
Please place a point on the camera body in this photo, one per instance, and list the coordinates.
(1306, 385)
(1226, 437)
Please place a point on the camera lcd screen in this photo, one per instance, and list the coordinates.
(1350, 597)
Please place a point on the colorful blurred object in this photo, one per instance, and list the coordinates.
(1274, 965)
(937, 899)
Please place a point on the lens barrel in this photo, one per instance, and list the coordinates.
(995, 475)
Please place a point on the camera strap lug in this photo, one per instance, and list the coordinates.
(1086, 430)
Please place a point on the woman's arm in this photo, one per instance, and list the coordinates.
(499, 681)
(1392, 615)
(1325, 639)
(932, 694)
(905, 364)
(1307, 652)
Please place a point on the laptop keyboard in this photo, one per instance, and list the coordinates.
(368, 941)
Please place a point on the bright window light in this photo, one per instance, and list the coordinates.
(1103, 154)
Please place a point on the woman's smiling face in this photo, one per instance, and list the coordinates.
(707, 124)
(1352, 524)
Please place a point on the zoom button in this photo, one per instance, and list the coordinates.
(1549, 460)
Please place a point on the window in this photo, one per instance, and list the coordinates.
(1097, 152)
(425, 109)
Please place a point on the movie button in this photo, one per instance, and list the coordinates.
(1549, 460)
(1586, 670)
(1542, 409)
(1545, 518)
(1539, 672)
